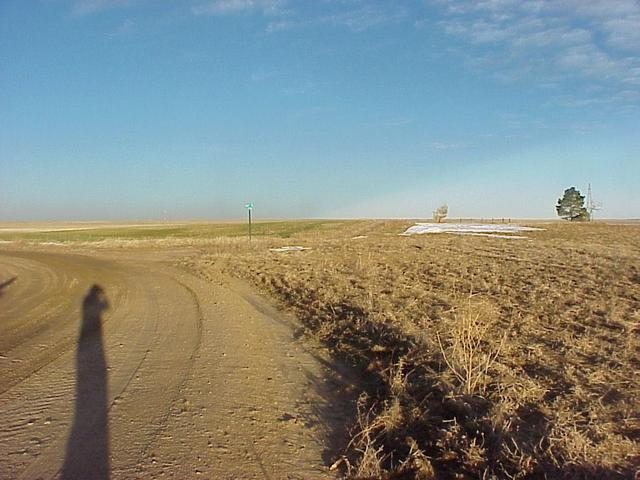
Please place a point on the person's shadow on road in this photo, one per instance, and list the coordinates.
(87, 454)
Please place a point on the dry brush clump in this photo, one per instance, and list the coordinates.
(483, 358)
(470, 352)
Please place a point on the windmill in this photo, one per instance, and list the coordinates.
(592, 205)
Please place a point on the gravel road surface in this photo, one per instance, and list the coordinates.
(117, 366)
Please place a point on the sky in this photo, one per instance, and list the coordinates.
(148, 109)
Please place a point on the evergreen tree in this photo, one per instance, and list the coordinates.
(571, 206)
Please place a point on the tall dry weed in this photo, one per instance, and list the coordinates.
(473, 342)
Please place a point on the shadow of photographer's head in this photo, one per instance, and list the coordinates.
(96, 298)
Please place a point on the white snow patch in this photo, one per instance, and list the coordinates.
(469, 229)
(289, 249)
(493, 235)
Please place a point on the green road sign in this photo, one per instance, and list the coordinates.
(249, 206)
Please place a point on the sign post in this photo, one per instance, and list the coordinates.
(249, 207)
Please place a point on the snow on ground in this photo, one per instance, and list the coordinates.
(490, 230)
(494, 235)
(288, 249)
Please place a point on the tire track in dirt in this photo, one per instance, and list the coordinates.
(251, 408)
(167, 365)
(40, 323)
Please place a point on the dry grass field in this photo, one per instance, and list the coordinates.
(481, 357)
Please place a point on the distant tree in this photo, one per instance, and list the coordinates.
(440, 213)
(571, 206)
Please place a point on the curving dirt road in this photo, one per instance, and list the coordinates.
(173, 376)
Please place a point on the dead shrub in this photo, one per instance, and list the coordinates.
(470, 348)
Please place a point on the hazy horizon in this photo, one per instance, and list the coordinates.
(139, 110)
(177, 221)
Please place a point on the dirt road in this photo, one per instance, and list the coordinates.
(116, 367)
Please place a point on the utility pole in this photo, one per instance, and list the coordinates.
(249, 207)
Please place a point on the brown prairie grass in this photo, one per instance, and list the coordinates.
(534, 375)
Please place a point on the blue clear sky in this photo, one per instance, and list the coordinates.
(141, 109)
